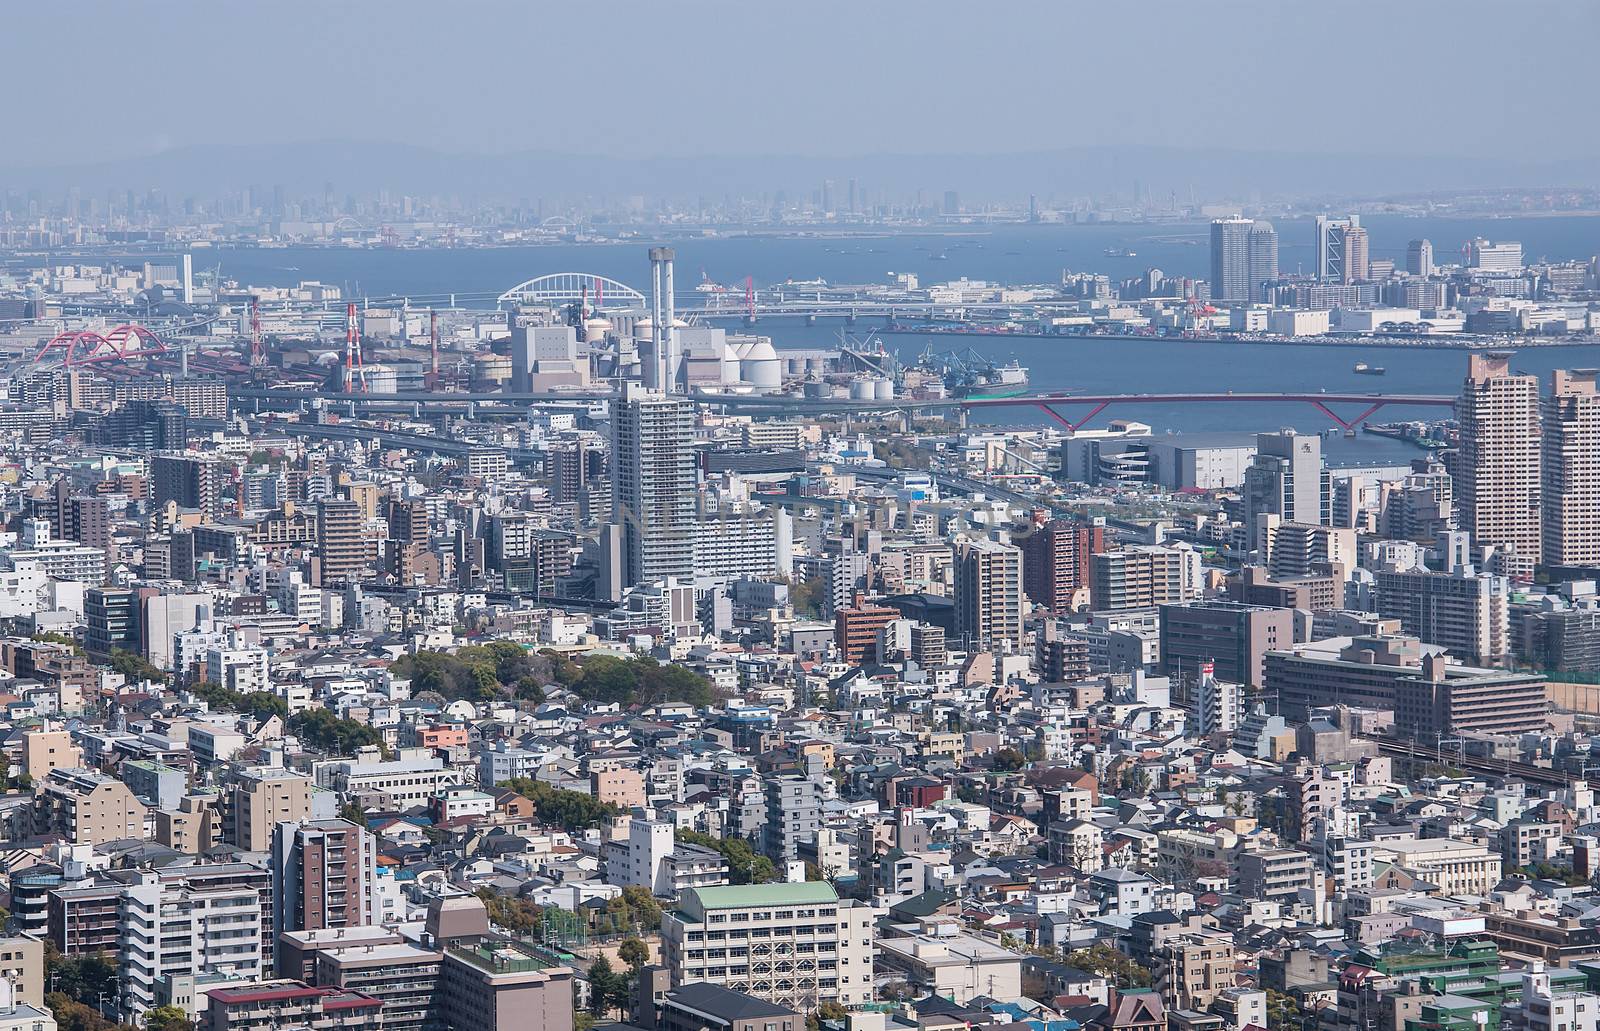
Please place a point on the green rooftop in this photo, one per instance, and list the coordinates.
(752, 896)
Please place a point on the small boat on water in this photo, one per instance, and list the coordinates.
(1119, 252)
(1369, 370)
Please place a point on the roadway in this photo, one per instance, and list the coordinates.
(757, 403)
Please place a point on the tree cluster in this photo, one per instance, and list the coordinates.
(572, 811)
(1108, 962)
(516, 914)
(641, 681)
(258, 704)
(745, 864)
(324, 731)
(134, 668)
(480, 673)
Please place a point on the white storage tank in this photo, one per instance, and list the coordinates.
(759, 366)
(883, 389)
(861, 390)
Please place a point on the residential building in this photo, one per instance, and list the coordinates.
(1497, 468)
(1570, 471)
(988, 594)
(653, 484)
(818, 948)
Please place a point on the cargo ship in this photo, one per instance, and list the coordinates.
(970, 374)
(1362, 368)
(1007, 380)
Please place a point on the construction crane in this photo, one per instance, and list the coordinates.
(355, 374)
(258, 355)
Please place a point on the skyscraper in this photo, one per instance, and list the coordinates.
(1571, 472)
(1263, 259)
(1357, 264)
(1330, 247)
(653, 484)
(1496, 471)
(1230, 259)
(988, 591)
(1419, 257)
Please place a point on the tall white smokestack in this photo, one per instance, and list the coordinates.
(670, 333)
(188, 279)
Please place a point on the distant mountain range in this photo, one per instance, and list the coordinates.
(1159, 172)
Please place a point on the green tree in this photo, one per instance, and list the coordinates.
(354, 813)
(806, 597)
(570, 810)
(326, 732)
(606, 987)
(1008, 760)
(1108, 962)
(167, 1018)
(745, 864)
(634, 952)
(135, 668)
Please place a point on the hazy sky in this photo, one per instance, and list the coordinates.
(95, 78)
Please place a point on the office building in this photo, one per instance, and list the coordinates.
(110, 616)
(817, 947)
(341, 546)
(1570, 471)
(653, 484)
(323, 875)
(954, 966)
(411, 779)
(1232, 638)
(1330, 242)
(988, 594)
(1497, 469)
(188, 481)
(1286, 479)
(1055, 561)
(1368, 672)
(1488, 256)
(1419, 258)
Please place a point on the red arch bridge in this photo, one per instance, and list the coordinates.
(85, 346)
(1364, 404)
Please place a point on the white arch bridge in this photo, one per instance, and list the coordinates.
(567, 287)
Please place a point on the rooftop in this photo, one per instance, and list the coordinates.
(751, 896)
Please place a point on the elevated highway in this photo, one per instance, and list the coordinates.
(420, 402)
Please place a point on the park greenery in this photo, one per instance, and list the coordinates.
(503, 670)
